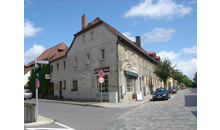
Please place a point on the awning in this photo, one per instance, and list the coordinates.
(131, 74)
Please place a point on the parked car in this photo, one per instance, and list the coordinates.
(183, 87)
(172, 90)
(161, 93)
(27, 94)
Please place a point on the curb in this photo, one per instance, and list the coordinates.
(73, 103)
(42, 120)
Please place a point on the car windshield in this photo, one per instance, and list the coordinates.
(160, 90)
(27, 91)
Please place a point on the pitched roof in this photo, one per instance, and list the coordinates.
(97, 20)
(51, 53)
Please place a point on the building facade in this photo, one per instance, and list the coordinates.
(98, 46)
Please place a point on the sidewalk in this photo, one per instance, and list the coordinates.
(41, 121)
(44, 120)
(103, 104)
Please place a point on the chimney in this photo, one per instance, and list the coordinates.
(138, 41)
(83, 21)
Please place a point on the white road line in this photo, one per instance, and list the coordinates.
(45, 129)
(66, 127)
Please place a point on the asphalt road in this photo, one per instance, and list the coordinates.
(178, 113)
(78, 117)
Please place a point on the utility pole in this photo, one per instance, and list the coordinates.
(36, 94)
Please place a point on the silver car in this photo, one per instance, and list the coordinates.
(27, 94)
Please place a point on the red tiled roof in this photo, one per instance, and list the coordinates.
(27, 70)
(98, 20)
(151, 53)
(51, 53)
(59, 55)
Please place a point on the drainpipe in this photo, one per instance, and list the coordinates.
(119, 90)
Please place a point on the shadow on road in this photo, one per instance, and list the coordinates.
(194, 113)
(191, 100)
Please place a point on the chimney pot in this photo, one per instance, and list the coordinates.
(138, 41)
(83, 21)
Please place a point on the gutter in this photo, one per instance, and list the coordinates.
(119, 39)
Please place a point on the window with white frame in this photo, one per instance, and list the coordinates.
(129, 84)
(102, 52)
(83, 39)
(75, 86)
(92, 35)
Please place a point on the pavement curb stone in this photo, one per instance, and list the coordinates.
(42, 120)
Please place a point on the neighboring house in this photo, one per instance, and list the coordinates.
(98, 46)
(49, 54)
(27, 74)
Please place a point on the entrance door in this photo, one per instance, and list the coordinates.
(60, 92)
(51, 89)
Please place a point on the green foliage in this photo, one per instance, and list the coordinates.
(134, 94)
(164, 69)
(44, 83)
(195, 79)
(177, 75)
(187, 81)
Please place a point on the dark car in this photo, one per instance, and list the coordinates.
(161, 93)
(172, 90)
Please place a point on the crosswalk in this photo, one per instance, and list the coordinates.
(62, 125)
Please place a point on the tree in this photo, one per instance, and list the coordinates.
(195, 79)
(187, 81)
(163, 70)
(44, 83)
(177, 75)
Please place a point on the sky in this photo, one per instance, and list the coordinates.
(167, 27)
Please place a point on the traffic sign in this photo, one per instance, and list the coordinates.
(47, 76)
(101, 73)
(42, 61)
(38, 83)
(101, 80)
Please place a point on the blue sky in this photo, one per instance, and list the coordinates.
(167, 27)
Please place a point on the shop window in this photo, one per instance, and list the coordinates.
(128, 83)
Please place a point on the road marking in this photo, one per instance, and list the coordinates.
(66, 127)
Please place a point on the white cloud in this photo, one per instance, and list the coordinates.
(128, 35)
(187, 65)
(171, 55)
(159, 9)
(158, 35)
(29, 29)
(193, 2)
(192, 50)
(33, 52)
(29, 4)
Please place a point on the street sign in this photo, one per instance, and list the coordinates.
(101, 73)
(38, 83)
(42, 61)
(47, 76)
(101, 80)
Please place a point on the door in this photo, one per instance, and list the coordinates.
(60, 92)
